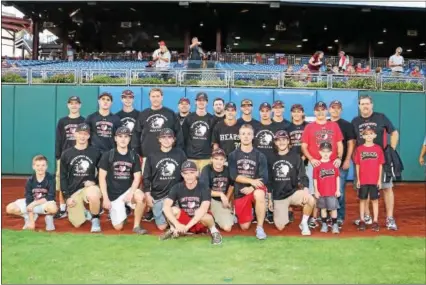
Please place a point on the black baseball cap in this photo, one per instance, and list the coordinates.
(105, 94)
(123, 131)
(265, 105)
(218, 152)
(320, 104)
(368, 129)
(278, 103)
(281, 134)
(166, 132)
(202, 96)
(188, 166)
(184, 99)
(127, 93)
(83, 127)
(246, 102)
(325, 145)
(335, 103)
(297, 106)
(230, 105)
(74, 98)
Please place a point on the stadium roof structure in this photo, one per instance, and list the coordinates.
(15, 24)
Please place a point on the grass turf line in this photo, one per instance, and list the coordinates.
(30, 257)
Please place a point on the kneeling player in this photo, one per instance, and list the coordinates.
(39, 197)
(193, 201)
(216, 176)
(119, 178)
(286, 171)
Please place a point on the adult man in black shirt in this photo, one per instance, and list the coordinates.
(183, 106)
(78, 180)
(161, 173)
(219, 110)
(192, 199)
(383, 126)
(278, 110)
(349, 137)
(103, 124)
(246, 115)
(119, 179)
(128, 115)
(226, 133)
(197, 131)
(65, 139)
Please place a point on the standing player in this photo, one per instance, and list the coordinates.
(39, 197)
(197, 131)
(286, 172)
(369, 160)
(219, 110)
(226, 133)
(183, 106)
(216, 176)
(381, 124)
(128, 115)
(249, 171)
(161, 173)
(119, 179)
(103, 124)
(326, 184)
(349, 137)
(246, 115)
(78, 180)
(278, 110)
(64, 140)
(193, 202)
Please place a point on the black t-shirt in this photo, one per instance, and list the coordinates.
(286, 172)
(252, 165)
(217, 119)
(102, 130)
(348, 133)
(120, 173)
(190, 200)
(284, 124)
(35, 190)
(181, 118)
(128, 119)
(377, 121)
(65, 134)
(197, 131)
(77, 167)
(254, 123)
(295, 132)
(264, 138)
(227, 137)
(162, 172)
(217, 181)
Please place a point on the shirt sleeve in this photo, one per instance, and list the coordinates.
(177, 128)
(388, 125)
(147, 175)
(206, 194)
(136, 164)
(305, 134)
(28, 193)
(351, 132)
(205, 177)
(51, 191)
(215, 134)
(104, 161)
(263, 168)
(173, 193)
(339, 135)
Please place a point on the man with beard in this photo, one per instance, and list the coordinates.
(219, 111)
(128, 115)
(226, 133)
(183, 106)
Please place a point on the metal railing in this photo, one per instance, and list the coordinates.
(53, 76)
(104, 77)
(392, 83)
(153, 77)
(259, 79)
(15, 76)
(305, 80)
(355, 81)
(204, 77)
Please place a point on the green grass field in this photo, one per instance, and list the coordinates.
(30, 257)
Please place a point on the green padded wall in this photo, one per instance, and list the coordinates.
(7, 128)
(87, 94)
(35, 114)
(412, 134)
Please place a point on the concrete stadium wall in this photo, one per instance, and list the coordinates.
(30, 113)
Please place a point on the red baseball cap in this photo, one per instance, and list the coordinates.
(161, 43)
(127, 93)
(184, 99)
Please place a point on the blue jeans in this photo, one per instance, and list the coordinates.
(342, 202)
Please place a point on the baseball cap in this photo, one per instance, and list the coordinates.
(297, 106)
(74, 98)
(230, 105)
(161, 43)
(188, 166)
(123, 131)
(246, 102)
(265, 105)
(184, 99)
(278, 104)
(367, 129)
(281, 134)
(127, 93)
(325, 145)
(219, 152)
(105, 94)
(201, 96)
(83, 127)
(336, 103)
(166, 133)
(320, 104)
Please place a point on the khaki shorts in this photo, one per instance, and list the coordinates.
(222, 216)
(201, 163)
(281, 207)
(58, 175)
(76, 214)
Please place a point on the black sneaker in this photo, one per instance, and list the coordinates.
(216, 238)
(149, 216)
(362, 226)
(375, 227)
(269, 218)
(140, 231)
(290, 216)
(61, 215)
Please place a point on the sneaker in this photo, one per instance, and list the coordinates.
(216, 238)
(391, 224)
(27, 221)
(88, 215)
(61, 214)
(375, 227)
(260, 233)
(96, 226)
(324, 228)
(50, 226)
(312, 223)
(304, 227)
(367, 219)
(335, 229)
(167, 235)
(290, 216)
(361, 226)
(149, 216)
(340, 223)
(140, 231)
(269, 218)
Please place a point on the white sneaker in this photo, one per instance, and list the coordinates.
(304, 227)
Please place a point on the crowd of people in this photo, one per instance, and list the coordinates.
(200, 172)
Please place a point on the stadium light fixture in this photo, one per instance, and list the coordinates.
(267, 45)
(237, 38)
(77, 42)
(336, 40)
(384, 30)
(299, 46)
(133, 9)
(304, 40)
(156, 36)
(235, 44)
(244, 11)
(75, 12)
(272, 39)
(264, 25)
(201, 24)
(380, 43)
(325, 28)
(119, 43)
(409, 50)
(422, 44)
(330, 47)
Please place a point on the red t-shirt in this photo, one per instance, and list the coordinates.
(326, 174)
(369, 159)
(315, 134)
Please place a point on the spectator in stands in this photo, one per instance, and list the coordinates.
(140, 55)
(378, 70)
(416, 72)
(396, 62)
(367, 69)
(315, 62)
(335, 69)
(304, 73)
(343, 61)
(162, 56)
(329, 69)
(290, 69)
(350, 70)
(195, 51)
(359, 68)
(180, 63)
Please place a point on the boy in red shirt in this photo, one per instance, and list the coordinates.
(369, 160)
(327, 185)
